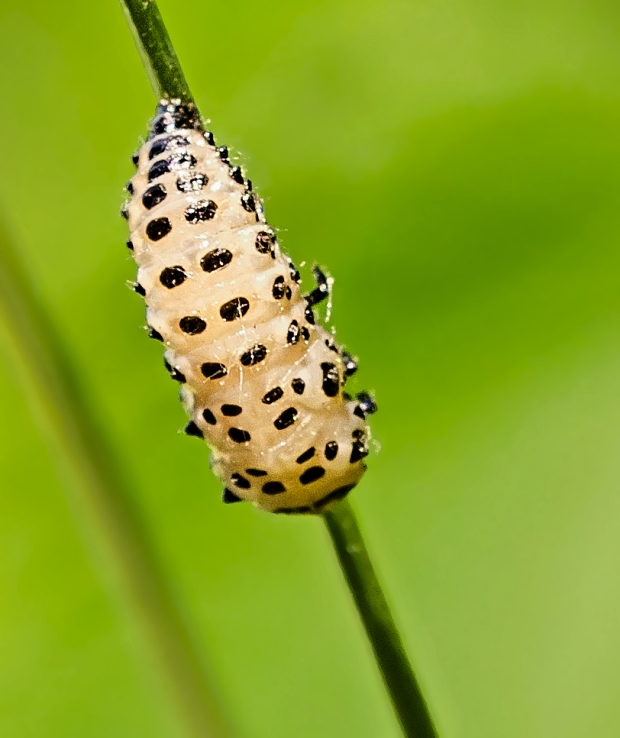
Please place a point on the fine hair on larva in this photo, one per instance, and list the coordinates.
(261, 380)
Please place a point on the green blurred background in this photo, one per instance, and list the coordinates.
(456, 165)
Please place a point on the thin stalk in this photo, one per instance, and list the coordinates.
(168, 80)
(101, 497)
(400, 681)
(156, 50)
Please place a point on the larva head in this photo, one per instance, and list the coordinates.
(261, 381)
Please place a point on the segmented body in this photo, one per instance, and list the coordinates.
(262, 382)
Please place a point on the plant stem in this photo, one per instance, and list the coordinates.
(168, 80)
(156, 50)
(101, 495)
(373, 609)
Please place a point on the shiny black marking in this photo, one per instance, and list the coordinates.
(265, 243)
(305, 333)
(248, 201)
(331, 345)
(366, 405)
(172, 115)
(129, 245)
(213, 370)
(321, 291)
(135, 158)
(254, 355)
(358, 451)
(308, 454)
(358, 433)
(279, 288)
(166, 143)
(286, 418)
(293, 334)
(237, 175)
(153, 196)
(174, 373)
(216, 259)
(193, 430)
(350, 364)
(273, 488)
(124, 212)
(152, 333)
(223, 154)
(158, 228)
(331, 379)
(192, 325)
(172, 276)
(191, 181)
(240, 481)
(231, 411)
(208, 416)
(158, 169)
(298, 386)
(129, 188)
(309, 315)
(273, 395)
(139, 289)
(239, 436)
(209, 137)
(331, 450)
(248, 185)
(182, 160)
(234, 309)
(200, 212)
(337, 494)
(229, 497)
(312, 474)
(256, 472)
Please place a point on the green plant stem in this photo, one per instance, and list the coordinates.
(101, 497)
(156, 50)
(373, 609)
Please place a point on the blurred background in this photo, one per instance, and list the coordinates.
(456, 166)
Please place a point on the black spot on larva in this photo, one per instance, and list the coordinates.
(208, 416)
(239, 436)
(305, 333)
(152, 333)
(129, 245)
(191, 182)
(358, 451)
(234, 309)
(331, 379)
(158, 228)
(293, 332)
(129, 188)
(308, 454)
(153, 196)
(273, 395)
(265, 243)
(256, 472)
(337, 494)
(174, 373)
(358, 433)
(229, 497)
(248, 201)
(216, 259)
(254, 355)
(312, 474)
(230, 411)
(295, 276)
(200, 211)
(139, 289)
(298, 386)
(237, 174)
(172, 276)
(286, 418)
(182, 160)
(309, 315)
(192, 325)
(288, 292)
(124, 212)
(279, 288)
(240, 481)
(209, 137)
(293, 510)
(213, 370)
(366, 405)
(164, 144)
(135, 158)
(331, 345)
(248, 185)
(193, 430)
(273, 488)
(159, 169)
(223, 153)
(350, 364)
(331, 450)
(172, 115)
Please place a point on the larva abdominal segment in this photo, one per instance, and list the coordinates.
(261, 381)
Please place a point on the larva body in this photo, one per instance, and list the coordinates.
(260, 380)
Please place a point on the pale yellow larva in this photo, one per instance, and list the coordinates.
(261, 381)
